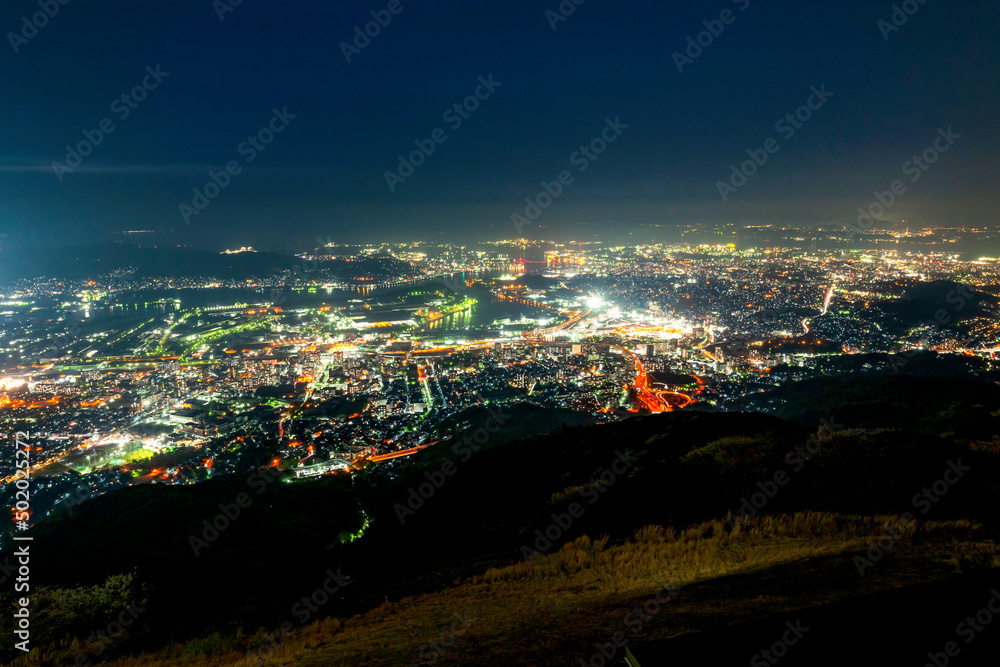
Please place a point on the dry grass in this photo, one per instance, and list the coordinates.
(552, 610)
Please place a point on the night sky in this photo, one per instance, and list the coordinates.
(324, 173)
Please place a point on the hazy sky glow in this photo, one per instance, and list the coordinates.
(324, 173)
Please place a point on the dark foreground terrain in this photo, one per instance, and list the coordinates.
(691, 537)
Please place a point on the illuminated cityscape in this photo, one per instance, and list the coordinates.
(129, 380)
(552, 332)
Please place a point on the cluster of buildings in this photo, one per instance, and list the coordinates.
(175, 393)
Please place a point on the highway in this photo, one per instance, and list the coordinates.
(573, 321)
(655, 400)
(400, 453)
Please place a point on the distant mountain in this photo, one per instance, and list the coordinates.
(76, 263)
(941, 302)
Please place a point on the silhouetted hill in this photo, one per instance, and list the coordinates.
(924, 398)
(944, 302)
(418, 525)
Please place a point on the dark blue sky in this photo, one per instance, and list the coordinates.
(324, 174)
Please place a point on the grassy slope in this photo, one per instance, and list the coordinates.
(552, 610)
(692, 467)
